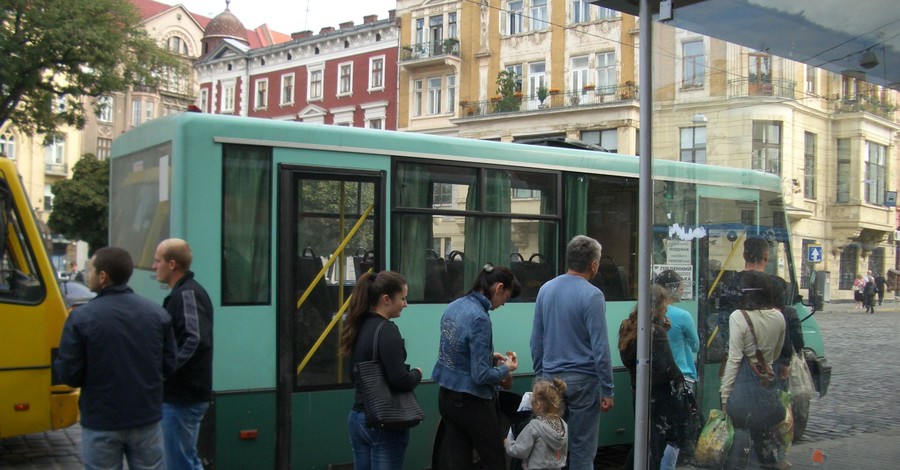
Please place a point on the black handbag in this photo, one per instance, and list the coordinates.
(385, 409)
(754, 403)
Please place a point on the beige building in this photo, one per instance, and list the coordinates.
(832, 139)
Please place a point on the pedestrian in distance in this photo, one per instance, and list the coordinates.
(377, 299)
(189, 389)
(880, 284)
(470, 373)
(869, 292)
(569, 340)
(118, 348)
(859, 285)
(544, 442)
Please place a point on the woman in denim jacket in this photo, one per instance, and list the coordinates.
(469, 372)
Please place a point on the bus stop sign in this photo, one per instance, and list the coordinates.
(814, 253)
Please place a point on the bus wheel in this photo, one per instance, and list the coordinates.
(800, 411)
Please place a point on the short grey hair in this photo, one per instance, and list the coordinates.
(581, 252)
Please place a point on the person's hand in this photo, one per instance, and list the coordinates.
(784, 372)
(499, 359)
(606, 404)
(512, 361)
(507, 382)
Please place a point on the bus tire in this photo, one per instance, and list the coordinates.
(800, 411)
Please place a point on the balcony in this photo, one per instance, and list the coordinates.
(767, 87)
(425, 54)
(589, 96)
(58, 169)
(863, 103)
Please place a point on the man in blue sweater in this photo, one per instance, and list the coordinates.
(117, 348)
(569, 340)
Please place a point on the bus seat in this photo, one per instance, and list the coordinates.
(308, 266)
(456, 274)
(612, 280)
(435, 277)
(532, 274)
(363, 261)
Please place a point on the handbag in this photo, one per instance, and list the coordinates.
(385, 409)
(715, 440)
(754, 403)
(691, 419)
(801, 382)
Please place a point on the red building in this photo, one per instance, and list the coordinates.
(345, 76)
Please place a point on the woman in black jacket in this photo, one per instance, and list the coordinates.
(377, 298)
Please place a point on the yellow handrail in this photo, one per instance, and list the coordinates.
(324, 334)
(738, 242)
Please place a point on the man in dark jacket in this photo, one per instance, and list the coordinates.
(117, 348)
(189, 389)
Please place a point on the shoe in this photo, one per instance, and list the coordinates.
(783, 465)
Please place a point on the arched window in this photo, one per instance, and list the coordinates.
(849, 257)
(177, 45)
(8, 145)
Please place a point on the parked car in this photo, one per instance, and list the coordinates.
(75, 293)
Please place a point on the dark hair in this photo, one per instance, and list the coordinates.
(628, 329)
(755, 248)
(756, 291)
(490, 275)
(369, 289)
(581, 252)
(115, 262)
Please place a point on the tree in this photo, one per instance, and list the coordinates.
(507, 87)
(54, 53)
(81, 204)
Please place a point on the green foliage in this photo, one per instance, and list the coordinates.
(81, 204)
(67, 50)
(542, 93)
(506, 89)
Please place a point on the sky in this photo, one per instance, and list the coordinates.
(288, 16)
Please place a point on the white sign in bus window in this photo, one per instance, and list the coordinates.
(687, 277)
(163, 178)
(678, 252)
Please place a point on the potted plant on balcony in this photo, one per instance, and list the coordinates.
(588, 88)
(451, 46)
(542, 93)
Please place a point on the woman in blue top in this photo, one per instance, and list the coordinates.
(469, 372)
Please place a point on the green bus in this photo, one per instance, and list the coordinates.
(283, 217)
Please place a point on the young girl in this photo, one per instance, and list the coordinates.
(544, 442)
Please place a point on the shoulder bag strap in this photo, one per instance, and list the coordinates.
(752, 331)
(762, 367)
(375, 340)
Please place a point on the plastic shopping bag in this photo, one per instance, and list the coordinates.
(784, 431)
(715, 440)
(801, 382)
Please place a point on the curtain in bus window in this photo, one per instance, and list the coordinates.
(246, 225)
(576, 205)
(488, 238)
(414, 231)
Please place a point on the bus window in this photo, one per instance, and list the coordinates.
(675, 232)
(604, 208)
(19, 280)
(475, 216)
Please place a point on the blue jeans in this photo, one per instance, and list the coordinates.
(374, 449)
(582, 398)
(181, 426)
(141, 446)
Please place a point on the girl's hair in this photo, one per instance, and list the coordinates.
(489, 275)
(550, 395)
(658, 303)
(757, 291)
(365, 296)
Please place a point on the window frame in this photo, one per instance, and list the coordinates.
(316, 79)
(875, 182)
(515, 17)
(693, 65)
(345, 79)
(228, 96)
(761, 148)
(261, 93)
(809, 165)
(843, 167)
(376, 73)
(694, 148)
(288, 89)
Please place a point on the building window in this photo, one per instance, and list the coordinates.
(849, 258)
(606, 73)
(767, 146)
(345, 80)
(537, 77)
(759, 75)
(228, 97)
(55, 154)
(806, 267)
(607, 14)
(287, 89)
(876, 173)
(515, 71)
(539, 20)
(8, 145)
(451, 92)
(177, 45)
(810, 79)
(436, 34)
(809, 165)
(693, 64)
(452, 26)
(608, 139)
(376, 76)
(420, 30)
(843, 171)
(376, 123)
(204, 100)
(417, 98)
(136, 112)
(434, 95)
(104, 148)
(443, 194)
(315, 84)
(149, 111)
(106, 109)
(262, 94)
(581, 12)
(693, 144)
(48, 197)
(514, 13)
(579, 72)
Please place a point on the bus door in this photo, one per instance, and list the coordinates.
(330, 233)
(32, 313)
(729, 215)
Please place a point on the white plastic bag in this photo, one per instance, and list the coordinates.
(801, 383)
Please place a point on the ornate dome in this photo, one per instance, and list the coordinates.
(226, 25)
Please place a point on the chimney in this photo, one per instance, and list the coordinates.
(346, 25)
(370, 19)
(392, 14)
(301, 34)
(326, 30)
